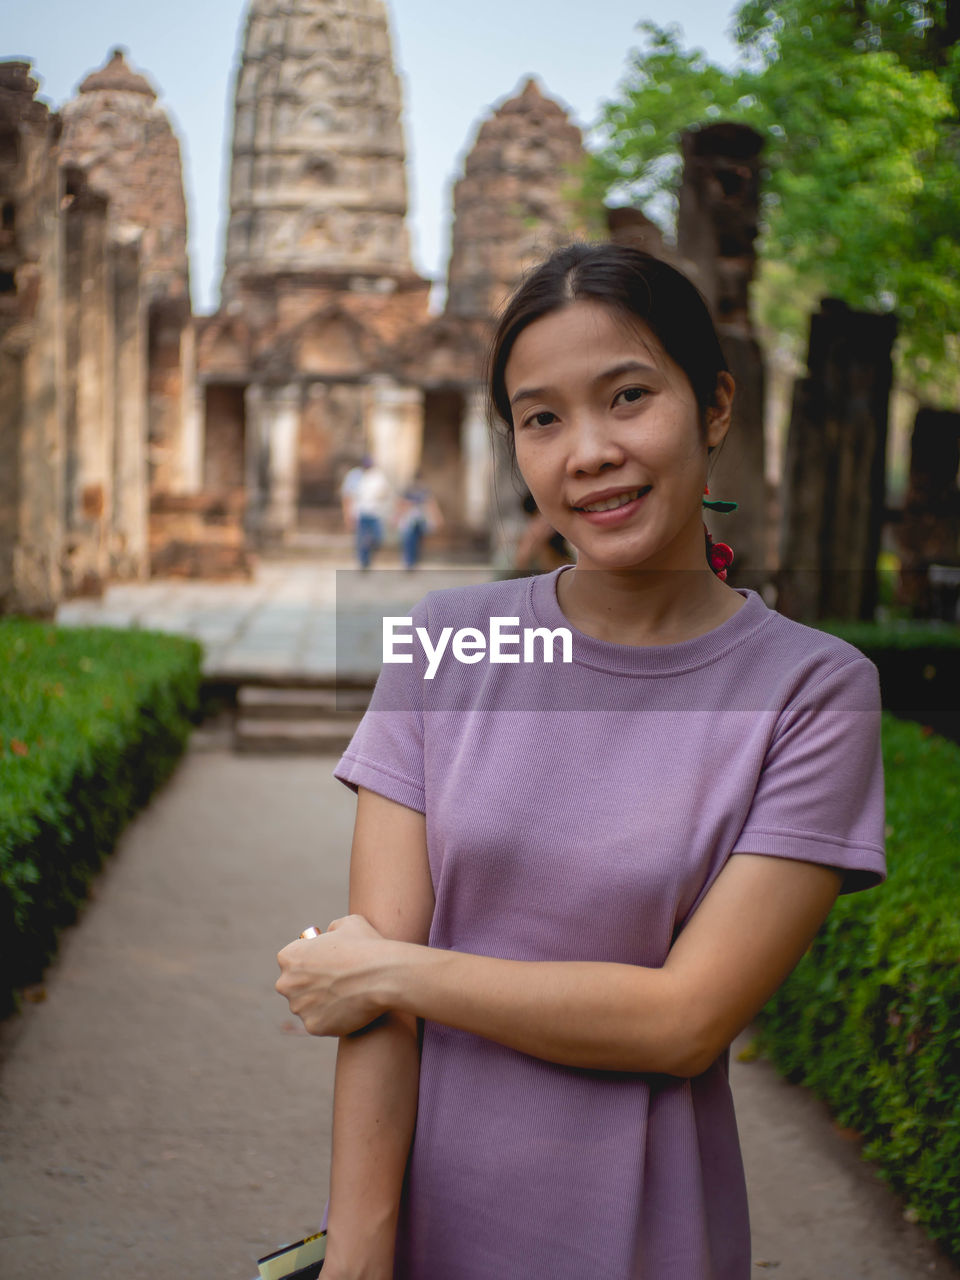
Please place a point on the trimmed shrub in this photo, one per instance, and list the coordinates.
(870, 1018)
(919, 668)
(92, 720)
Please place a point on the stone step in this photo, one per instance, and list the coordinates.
(256, 702)
(317, 737)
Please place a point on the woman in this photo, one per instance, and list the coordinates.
(613, 862)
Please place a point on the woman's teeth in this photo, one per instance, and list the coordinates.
(620, 500)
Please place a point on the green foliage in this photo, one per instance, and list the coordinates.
(870, 1018)
(872, 637)
(91, 721)
(857, 103)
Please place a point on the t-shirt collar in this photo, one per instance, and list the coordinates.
(633, 659)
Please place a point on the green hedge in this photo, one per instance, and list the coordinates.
(870, 1019)
(92, 720)
(919, 668)
(900, 635)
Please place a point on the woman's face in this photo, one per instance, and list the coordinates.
(608, 439)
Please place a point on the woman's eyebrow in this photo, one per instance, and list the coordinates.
(528, 393)
(625, 366)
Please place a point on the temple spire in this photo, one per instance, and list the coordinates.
(318, 181)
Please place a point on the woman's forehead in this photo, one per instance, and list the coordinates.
(579, 336)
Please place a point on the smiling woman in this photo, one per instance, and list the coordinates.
(549, 867)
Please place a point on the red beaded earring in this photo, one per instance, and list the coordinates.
(719, 554)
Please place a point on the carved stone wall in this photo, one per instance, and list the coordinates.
(31, 444)
(514, 203)
(73, 379)
(318, 177)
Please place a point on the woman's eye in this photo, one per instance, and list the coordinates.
(631, 394)
(541, 419)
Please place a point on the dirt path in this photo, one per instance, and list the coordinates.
(161, 1115)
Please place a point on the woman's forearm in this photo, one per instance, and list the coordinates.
(374, 1111)
(760, 916)
(604, 1016)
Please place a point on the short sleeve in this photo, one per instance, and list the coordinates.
(386, 752)
(820, 794)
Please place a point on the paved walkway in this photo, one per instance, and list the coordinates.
(162, 1115)
(289, 621)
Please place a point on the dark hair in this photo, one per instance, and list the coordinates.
(630, 282)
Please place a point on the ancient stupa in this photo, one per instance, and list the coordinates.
(515, 201)
(318, 180)
(118, 134)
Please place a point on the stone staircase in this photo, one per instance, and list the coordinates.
(297, 721)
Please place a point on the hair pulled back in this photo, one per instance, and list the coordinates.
(631, 283)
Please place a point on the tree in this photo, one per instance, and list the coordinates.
(857, 100)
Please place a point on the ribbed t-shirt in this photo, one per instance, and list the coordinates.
(581, 811)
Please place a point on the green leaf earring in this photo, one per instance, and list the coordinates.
(718, 505)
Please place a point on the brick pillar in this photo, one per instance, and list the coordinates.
(929, 531)
(834, 468)
(279, 424)
(170, 385)
(716, 229)
(31, 446)
(88, 377)
(129, 558)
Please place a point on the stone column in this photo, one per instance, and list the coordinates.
(477, 463)
(190, 468)
(394, 427)
(929, 531)
(256, 462)
(170, 333)
(129, 549)
(89, 360)
(280, 431)
(834, 468)
(716, 229)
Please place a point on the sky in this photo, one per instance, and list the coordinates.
(456, 60)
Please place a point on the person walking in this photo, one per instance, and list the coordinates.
(368, 503)
(418, 515)
(574, 882)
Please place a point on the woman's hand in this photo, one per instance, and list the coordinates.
(332, 982)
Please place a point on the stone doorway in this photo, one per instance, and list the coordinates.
(225, 437)
(441, 460)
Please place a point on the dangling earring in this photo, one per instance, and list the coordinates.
(718, 505)
(719, 554)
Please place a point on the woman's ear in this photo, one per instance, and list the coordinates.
(718, 414)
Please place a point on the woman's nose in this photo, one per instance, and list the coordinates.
(592, 447)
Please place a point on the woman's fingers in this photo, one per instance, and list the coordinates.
(321, 978)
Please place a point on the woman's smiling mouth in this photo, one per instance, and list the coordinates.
(614, 507)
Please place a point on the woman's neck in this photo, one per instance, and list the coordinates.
(645, 607)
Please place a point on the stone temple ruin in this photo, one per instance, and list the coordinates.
(137, 438)
(96, 373)
(323, 346)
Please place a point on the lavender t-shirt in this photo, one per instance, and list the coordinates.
(580, 812)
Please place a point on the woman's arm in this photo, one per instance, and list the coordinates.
(375, 1093)
(752, 927)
